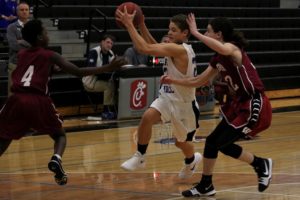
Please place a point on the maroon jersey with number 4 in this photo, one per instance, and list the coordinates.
(249, 98)
(30, 107)
(33, 71)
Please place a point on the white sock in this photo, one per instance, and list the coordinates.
(58, 156)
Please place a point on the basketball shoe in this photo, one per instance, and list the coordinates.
(137, 161)
(109, 115)
(200, 190)
(55, 166)
(189, 169)
(264, 173)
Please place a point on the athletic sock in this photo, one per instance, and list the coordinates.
(189, 160)
(206, 179)
(58, 156)
(142, 148)
(256, 161)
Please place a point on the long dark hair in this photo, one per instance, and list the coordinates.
(229, 34)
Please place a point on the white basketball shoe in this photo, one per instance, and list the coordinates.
(189, 169)
(137, 161)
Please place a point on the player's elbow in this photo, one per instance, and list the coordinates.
(142, 50)
(224, 50)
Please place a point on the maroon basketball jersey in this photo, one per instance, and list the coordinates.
(243, 79)
(33, 71)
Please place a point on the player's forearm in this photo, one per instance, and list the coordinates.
(188, 82)
(214, 44)
(146, 34)
(86, 71)
(197, 81)
(139, 43)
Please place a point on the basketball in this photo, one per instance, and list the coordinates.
(131, 7)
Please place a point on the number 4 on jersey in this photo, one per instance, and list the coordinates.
(26, 79)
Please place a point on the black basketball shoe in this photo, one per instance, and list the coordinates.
(264, 173)
(55, 166)
(200, 190)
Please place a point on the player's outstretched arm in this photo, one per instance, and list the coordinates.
(145, 33)
(197, 81)
(69, 67)
(217, 46)
(159, 49)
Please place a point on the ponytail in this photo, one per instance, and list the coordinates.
(239, 39)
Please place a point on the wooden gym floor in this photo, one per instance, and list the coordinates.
(92, 159)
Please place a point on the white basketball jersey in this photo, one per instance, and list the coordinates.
(176, 92)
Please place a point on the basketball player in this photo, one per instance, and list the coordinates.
(248, 111)
(175, 103)
(30, 106)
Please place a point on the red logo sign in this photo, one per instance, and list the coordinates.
(138, 94)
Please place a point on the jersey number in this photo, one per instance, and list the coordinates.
(26, 79)
(228, 79)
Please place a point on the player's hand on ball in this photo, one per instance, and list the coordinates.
(128, 13)
(124, 17)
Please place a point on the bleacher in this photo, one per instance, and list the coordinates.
(273, 33)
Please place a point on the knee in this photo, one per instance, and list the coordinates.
(232, 151)
(150, 117)
(179, 144)
(146, 119)
(210, 149)
(59, 136)
(211, 142)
